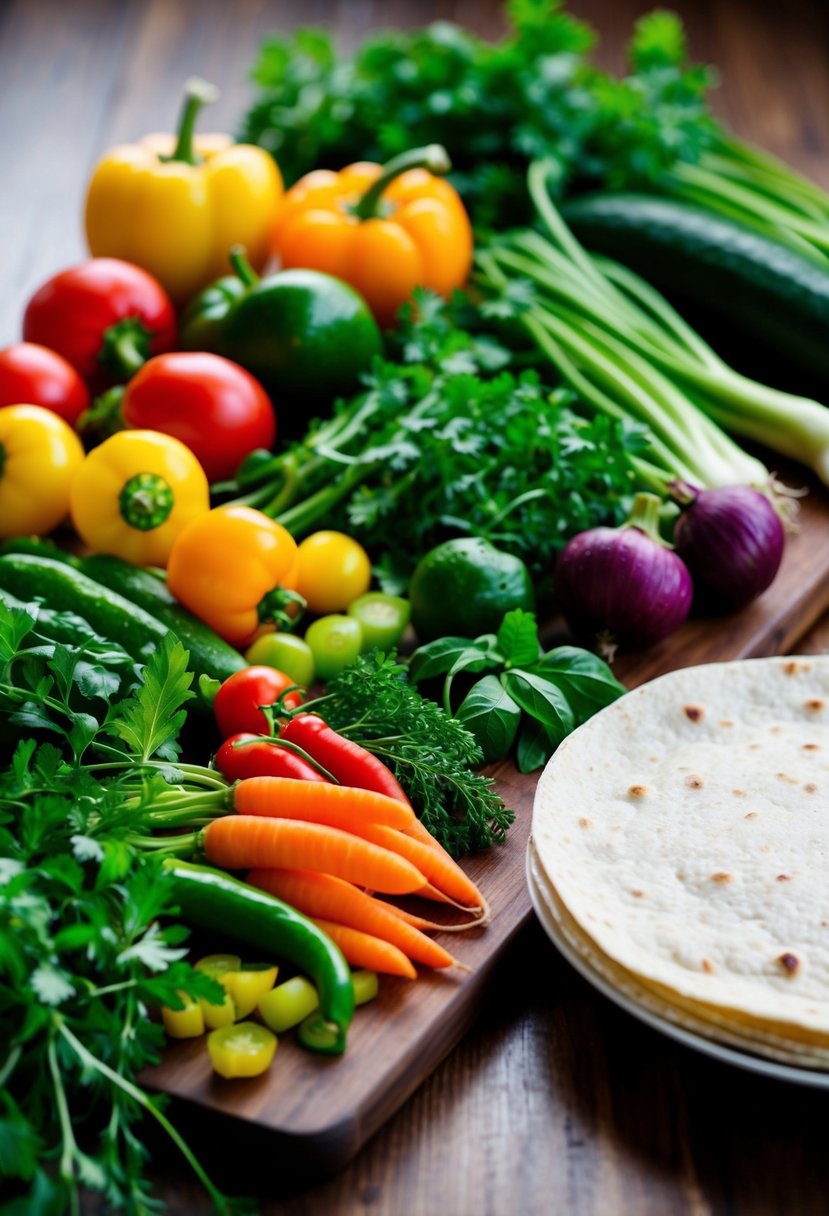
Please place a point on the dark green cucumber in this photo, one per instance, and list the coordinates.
(37, 548)
(63, 626)
(209, 654)
(65, 589)
(774, 300)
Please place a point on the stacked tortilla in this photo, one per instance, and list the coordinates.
(680, 849)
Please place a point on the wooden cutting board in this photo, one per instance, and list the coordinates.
(318, 1111)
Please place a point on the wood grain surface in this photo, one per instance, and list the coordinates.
(554, 1101)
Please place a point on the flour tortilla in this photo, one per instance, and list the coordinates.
(698, 1019)
(682, 834)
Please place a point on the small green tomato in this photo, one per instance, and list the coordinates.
(286, 653)
(335, 641)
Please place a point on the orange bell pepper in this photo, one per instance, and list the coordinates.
(231, 568)
(383, 229)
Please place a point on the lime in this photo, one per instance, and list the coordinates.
(464, 587)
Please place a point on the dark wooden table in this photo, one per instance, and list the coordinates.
(555, 1102)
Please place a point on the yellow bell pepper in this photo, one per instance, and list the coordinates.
(39, 457)
(175, 205)
(134, 493)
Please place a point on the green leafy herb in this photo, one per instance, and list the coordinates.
(431, 754)
(149, 722)
(445, 442)
(527, 697)
(87, 939)
(534, 95)
(492, 716)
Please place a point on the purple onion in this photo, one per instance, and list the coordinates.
(731, 539)
(623, 585)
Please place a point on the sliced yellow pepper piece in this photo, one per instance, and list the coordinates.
(243, 1050)
(248, 985)
(186, 1023)
(288, 1004)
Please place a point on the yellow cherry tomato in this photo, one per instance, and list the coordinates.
(186, 1023)
(135, 493)
(39, 457)
(243, 1050)
(332, 571)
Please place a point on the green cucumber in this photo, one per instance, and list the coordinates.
(209, 654)
(37, 547)
(65, 589)
(772, 299)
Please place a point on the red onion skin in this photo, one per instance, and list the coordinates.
(732, 541)
(618, 581)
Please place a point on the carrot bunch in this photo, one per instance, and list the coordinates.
(327, 849)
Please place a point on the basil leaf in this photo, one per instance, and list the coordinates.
(478, 656)
(489, 713)
(541, 700)
(435, 658)
(535, 746)
(518, 638)
(584, 678)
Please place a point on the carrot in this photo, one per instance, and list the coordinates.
(339, 806)
(363, 950)
(240, 842)
(420, 922)
(441, 871)
(323, 895)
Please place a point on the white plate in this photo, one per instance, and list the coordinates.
(729, 1055)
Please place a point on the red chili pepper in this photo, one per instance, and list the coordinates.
(257, 757)
(345, 760)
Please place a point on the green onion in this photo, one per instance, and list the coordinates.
(623, 347)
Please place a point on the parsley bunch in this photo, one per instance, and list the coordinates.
(495, 107)
(447, 442)
(82, 951)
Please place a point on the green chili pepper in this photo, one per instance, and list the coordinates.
(214, 900)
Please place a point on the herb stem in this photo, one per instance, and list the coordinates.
(93, 1062)
(9, 1064)
(70, 1147)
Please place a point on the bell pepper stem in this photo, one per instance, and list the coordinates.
(103, 418)
(242, 267)
(145, 501)
(125, 348)
(274, 606)
(433, 157)
(197, 93)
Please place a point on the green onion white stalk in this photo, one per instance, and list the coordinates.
(621, 345)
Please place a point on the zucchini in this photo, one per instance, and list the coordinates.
(770, 298)
(65, 589)
(209, 654)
